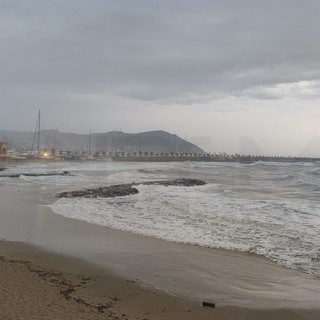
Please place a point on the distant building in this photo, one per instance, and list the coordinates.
(3, 149)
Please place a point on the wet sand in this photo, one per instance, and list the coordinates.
(243, 286)
(37, 284)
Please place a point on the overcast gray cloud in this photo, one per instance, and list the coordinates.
(96, 59)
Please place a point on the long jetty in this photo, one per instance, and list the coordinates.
(213, 158)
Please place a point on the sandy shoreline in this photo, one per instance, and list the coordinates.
(37, 284)
(242, 285)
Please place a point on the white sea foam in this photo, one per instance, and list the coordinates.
(268, 208)
(287, 232)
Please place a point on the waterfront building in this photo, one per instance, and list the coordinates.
(3, 150)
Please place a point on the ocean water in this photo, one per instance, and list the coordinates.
(271, 209)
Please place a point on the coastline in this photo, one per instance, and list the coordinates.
(240, 284)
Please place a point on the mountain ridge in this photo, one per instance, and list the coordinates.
(155, 141)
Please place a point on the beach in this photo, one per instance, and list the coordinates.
(37, 284)
(48, 257)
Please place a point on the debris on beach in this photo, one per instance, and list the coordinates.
(127, 189)
(208, 304)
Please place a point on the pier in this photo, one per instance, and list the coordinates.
(247, 159)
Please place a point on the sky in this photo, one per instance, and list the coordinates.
(231, 76)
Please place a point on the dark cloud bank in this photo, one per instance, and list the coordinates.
(99, 57)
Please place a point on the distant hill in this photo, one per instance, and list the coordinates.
(156, 141)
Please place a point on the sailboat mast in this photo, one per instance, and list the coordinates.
(39, 126)
(90, 143)
(185, 143)
(36, 136)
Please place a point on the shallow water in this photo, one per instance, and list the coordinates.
(272, 209)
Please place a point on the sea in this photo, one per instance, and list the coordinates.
(266, 208)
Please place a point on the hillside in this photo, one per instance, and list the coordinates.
(156, 141)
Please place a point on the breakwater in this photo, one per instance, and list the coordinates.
(127, 189)
(213, 158)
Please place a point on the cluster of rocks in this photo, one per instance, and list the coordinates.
(126, 189)
(103, 192)
(176, 182)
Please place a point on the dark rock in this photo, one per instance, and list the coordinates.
(177, 182)
(208, 304)
(10, 175)
(126, 189)
(17, 175)
(105, 192)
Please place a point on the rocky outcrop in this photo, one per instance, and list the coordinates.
(103, 192)
(126, 189)
(176, 182)
(17, 175)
